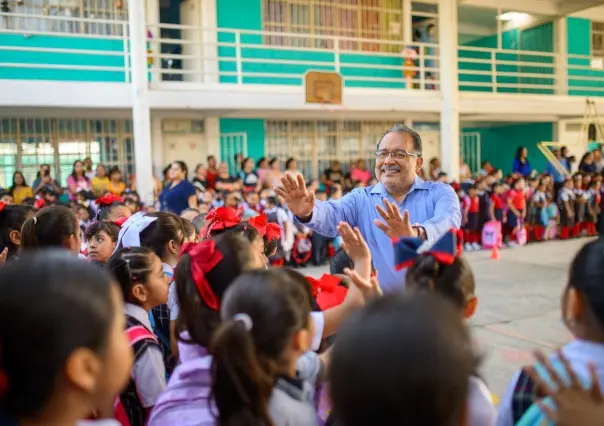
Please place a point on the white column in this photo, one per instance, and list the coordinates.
(190, 15)
(157, 143)
(407, 23)
(212, 136)
(209, 38)
(141, 110)
(561, 30)
(152, 13)
(449, 85)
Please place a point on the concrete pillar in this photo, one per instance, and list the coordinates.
(209, 38)
(561, 62)
(141, 110)
(449, 86)
(212, 137)
(157, 143)
(407, 23)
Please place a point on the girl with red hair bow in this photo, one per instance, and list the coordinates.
(221, 220)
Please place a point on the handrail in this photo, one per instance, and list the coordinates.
(62, 18)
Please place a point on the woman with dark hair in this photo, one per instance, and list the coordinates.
(587, 164)
(77, 181)
(179, 194)
(20, 189)
(521, 163)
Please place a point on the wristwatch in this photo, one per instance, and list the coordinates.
(421, 232)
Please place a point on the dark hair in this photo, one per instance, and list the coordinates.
(245, 361)
(251, 233)
(13, 186)
(288, 162)
(210, 157)
(183, 167)
(97, 227)
(11, 219)
(260, 161)
(106, 210)
(414, 380)
(159, 233)
(195, 317)
(39, 175)
(187, 228)
(272, 201)
(73, 172)
(6, 193)
(586, 277)
(455, 282)
(272, 161)
(113, 170)
(130, 266)
(339, 262)
(62, 304)
(401, 128)
(50, 227)
(519, 151)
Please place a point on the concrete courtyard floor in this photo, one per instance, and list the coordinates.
(518, 307)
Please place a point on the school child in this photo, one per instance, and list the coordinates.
(580, 205)
(550, 218)
(497, 205)
(269, 231)
(143, 285)
(54, 226)
(12, 217)
(413, 379)
(220, 220)
(112, 208)
(257, 245)
(516, 202)
(593, 207)
(583, 315)
(472, 228)
(484, 204)
(441, 270)
(189, 231)
(262, 372)
(102, 240)
(536, 206)
(566, 206)
(71, 312)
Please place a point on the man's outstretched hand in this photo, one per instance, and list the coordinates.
(394, 225)
(298, 199)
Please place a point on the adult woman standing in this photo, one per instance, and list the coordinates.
(521, 163)
(179, 194)
(77, 181)
(20, 190)
(587, 164)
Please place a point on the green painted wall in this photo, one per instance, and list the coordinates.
(579, 43)
(253, 127)
(536, 39)
(61, 42)
(499, 144)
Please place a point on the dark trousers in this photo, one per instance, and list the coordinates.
(319, 248)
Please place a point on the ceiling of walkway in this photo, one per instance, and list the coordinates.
(542, 7)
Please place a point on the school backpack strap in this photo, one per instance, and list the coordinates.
(139, 333)
(534, 416)
(162, 338)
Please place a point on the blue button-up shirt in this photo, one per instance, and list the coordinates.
(433, 205)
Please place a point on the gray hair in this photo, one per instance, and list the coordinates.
(401, 128)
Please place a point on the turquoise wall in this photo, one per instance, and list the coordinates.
(536, 39)
(499, 144)
(61, 42)
(249, 17)
(253, 127)
(579, 43)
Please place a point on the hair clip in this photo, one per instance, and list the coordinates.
(245, 319)
(445, 250)
(35, 219)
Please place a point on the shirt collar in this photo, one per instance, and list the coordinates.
(138, 314)
(418, 183)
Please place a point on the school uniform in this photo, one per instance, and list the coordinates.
(580, 207)
(566, 195)
(148, 375)
(514, 222)
(538, 201)
(498, 206)
(484, 208)
(472, 231)
(521, 393)
(594, 200)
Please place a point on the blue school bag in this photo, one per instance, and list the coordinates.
(534, 416)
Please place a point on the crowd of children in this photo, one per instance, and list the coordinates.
(159, 322)
(533, 209)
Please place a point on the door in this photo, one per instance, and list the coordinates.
(470, 150)
(231, 145)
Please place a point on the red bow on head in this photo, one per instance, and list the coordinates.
(221, 218)
(272, 231)
(119, 222)
(2, 205)
(327, 291)
(108, 199)
(204, 257)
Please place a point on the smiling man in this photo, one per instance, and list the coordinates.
(411, 207)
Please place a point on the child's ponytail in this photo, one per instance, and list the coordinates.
(242, 387)
(50, 227)
(29, 238)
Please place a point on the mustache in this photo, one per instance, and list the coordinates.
(390, 169)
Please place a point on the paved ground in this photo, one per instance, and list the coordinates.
(519, 305)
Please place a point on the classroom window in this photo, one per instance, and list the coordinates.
(348, 19)
(315, 144)
(597, 38)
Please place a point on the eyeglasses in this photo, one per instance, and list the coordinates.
(399, 154)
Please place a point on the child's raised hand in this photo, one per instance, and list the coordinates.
(369, 288)
(353, 243)
(3, 256)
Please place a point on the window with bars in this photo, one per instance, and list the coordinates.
(92, 10)
(26, 143)
(360, 19)
(597, 38)
(315, 144)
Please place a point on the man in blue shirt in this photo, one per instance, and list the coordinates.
(432, 206)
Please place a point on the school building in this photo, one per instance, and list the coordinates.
(140, 83)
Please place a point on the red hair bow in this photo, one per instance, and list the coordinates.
(272, 231)
(2, 205)
(108, 199)
(327, 291)
(119, 222)
(221, 218)
(204, 257)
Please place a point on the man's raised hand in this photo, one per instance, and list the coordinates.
(298, 199)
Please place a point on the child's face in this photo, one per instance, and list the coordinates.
(8, 199)
(259, 259)
(100, 247)
(132, 206)
(472, 192)
(154, 291)
(577, 183)
(519, 186)
(83, 214)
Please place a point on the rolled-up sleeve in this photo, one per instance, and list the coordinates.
(326, 215)
(447, 213)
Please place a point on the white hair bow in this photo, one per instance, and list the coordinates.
(130, 234)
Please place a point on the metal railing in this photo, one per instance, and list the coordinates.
(41, 53)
